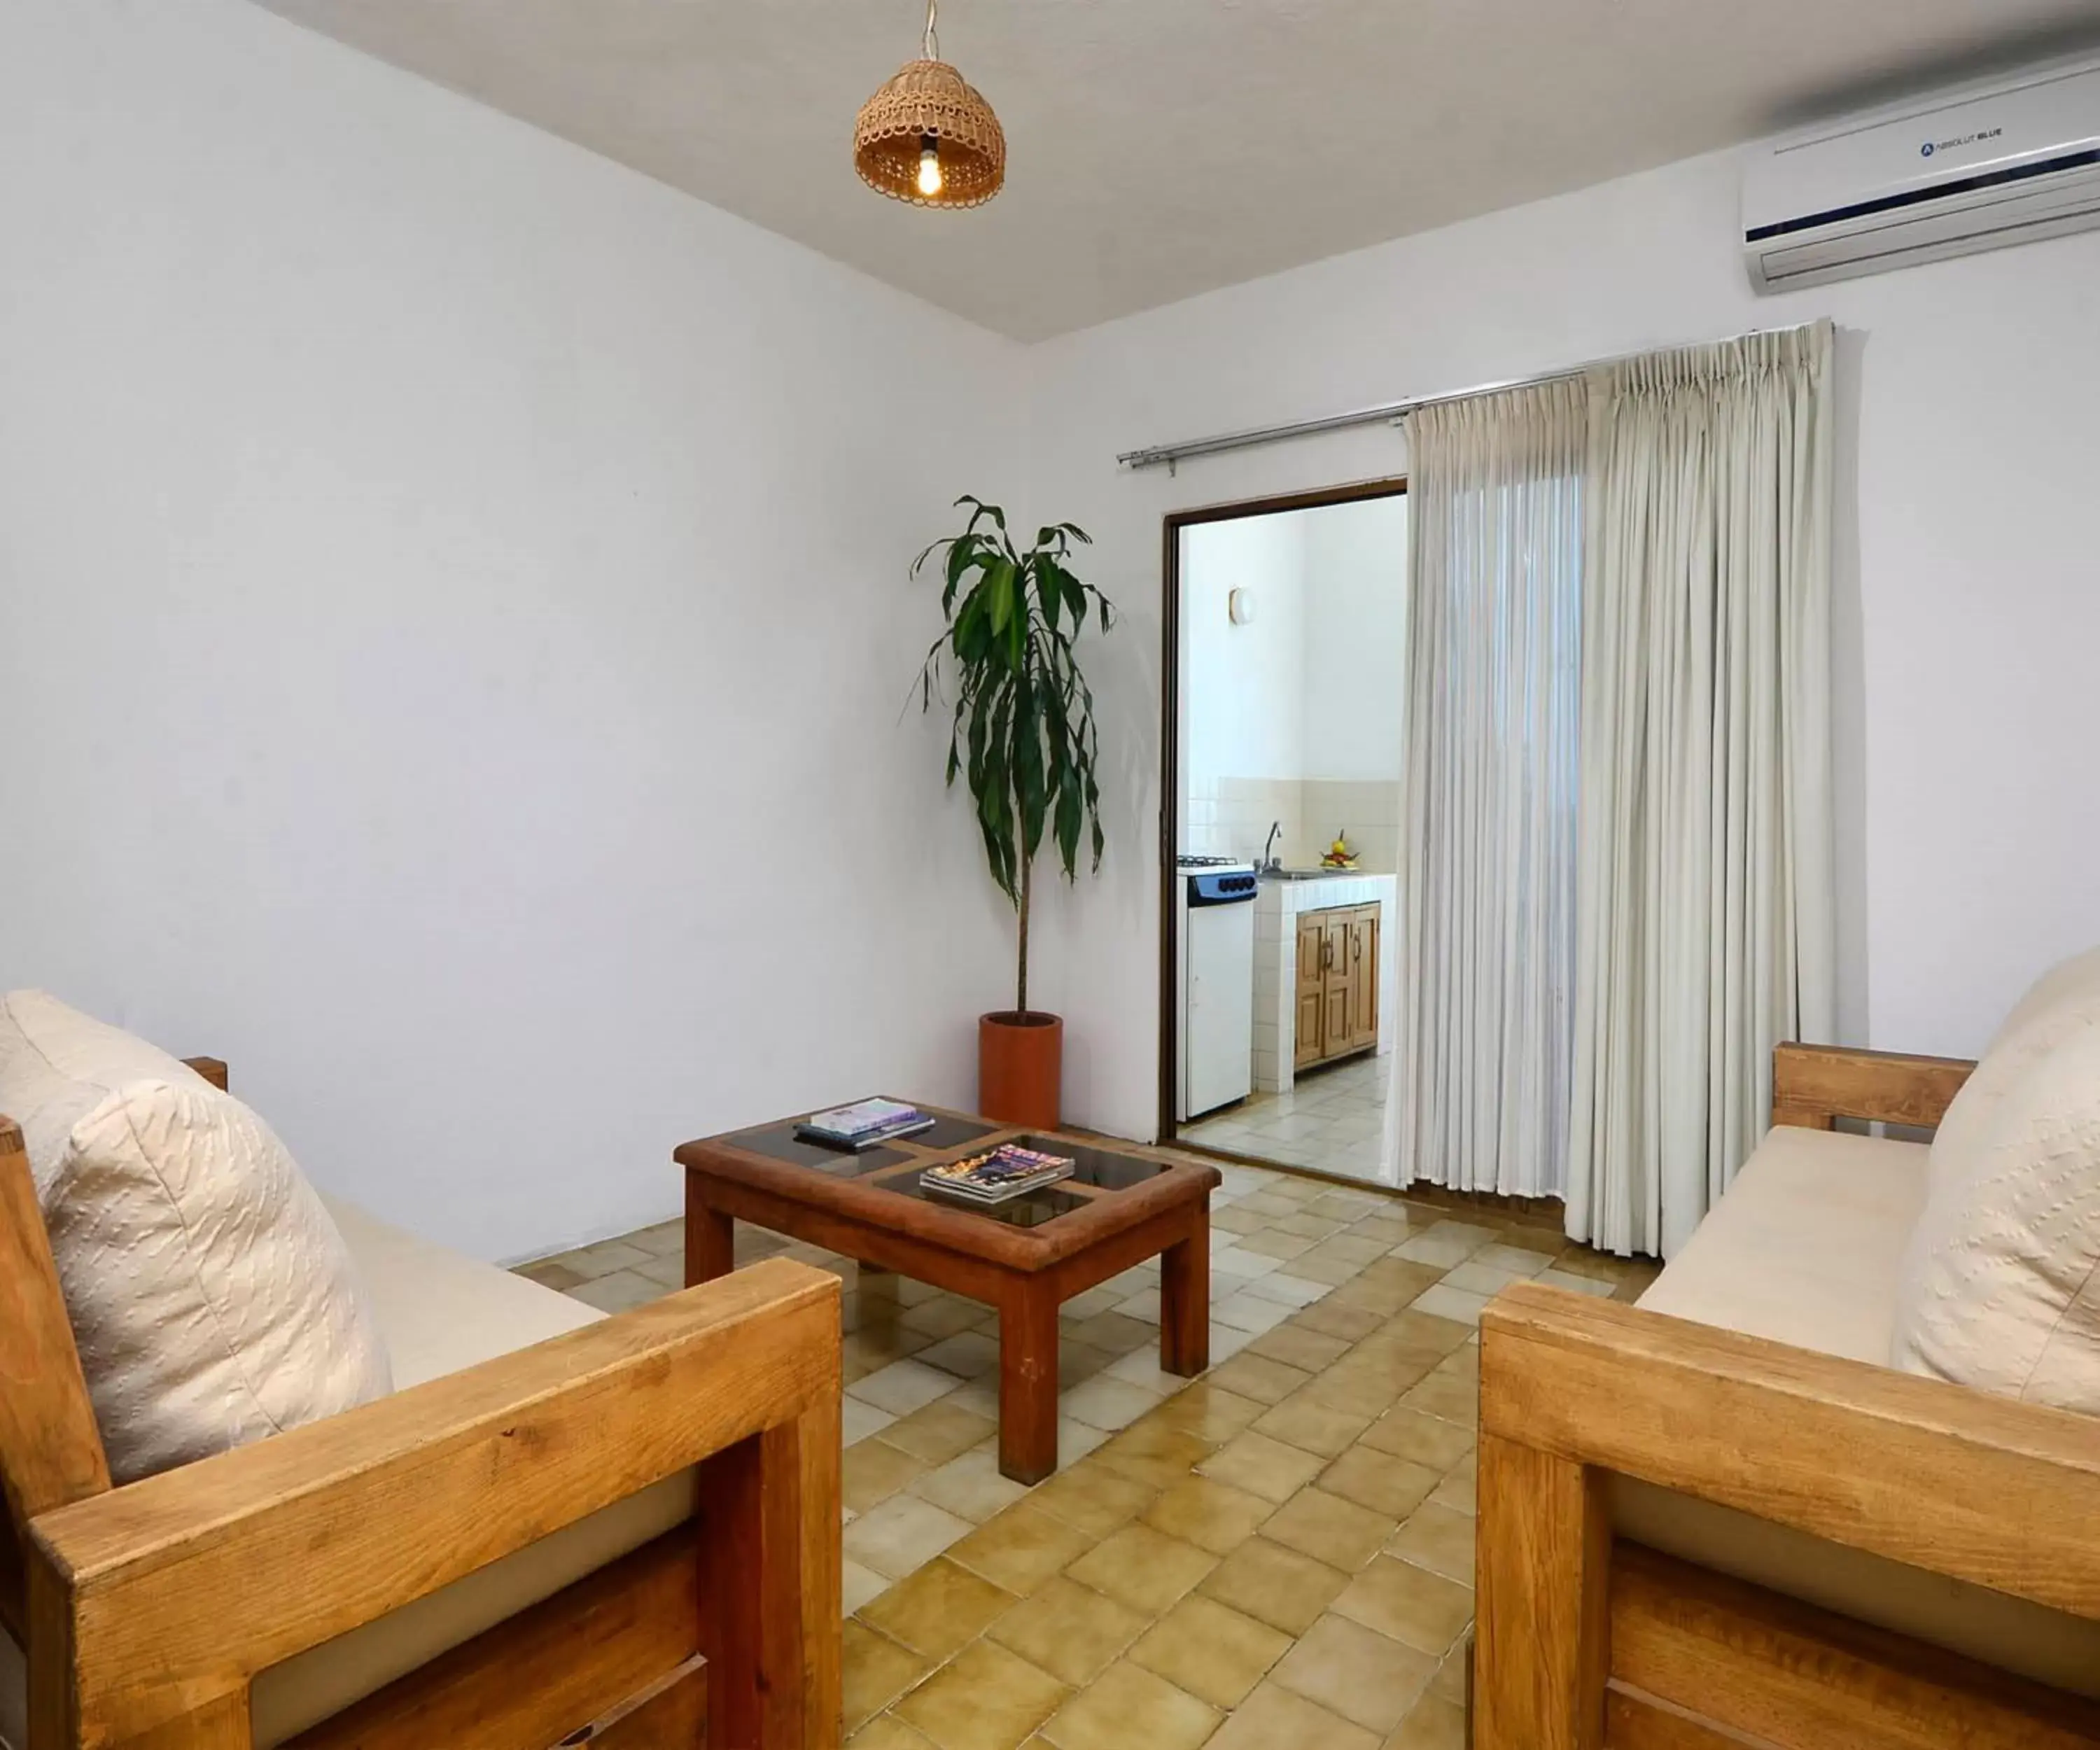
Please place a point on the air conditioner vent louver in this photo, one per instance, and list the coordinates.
(1984, 167)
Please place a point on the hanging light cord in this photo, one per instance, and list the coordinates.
(933, 35)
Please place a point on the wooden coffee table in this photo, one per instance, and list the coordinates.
(1123, 1205)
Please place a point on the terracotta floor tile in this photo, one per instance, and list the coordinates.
(903, 1384)
(1428, 1440)
(1297, 1345)
(1455, 1400)
(1378, 1480)
(890, 1732)
(901, 1534)
(1107, 1402)
(1021, 1548)
(1350, 1324)
(1432, 1724)
(872, 1470)
(1421, 1334)
(1310, 1226)
(1116, 1332)
(1093, 1496)
(1141, 1568)
(1362, 1384)
(1233, 1218)
(1209, 1410)
(859, 1585)
(1320, 1265)
(984, 1699)
(1341, 1533)
(551, 1272)
(1304, 1422)
(1281, 1587)
(939, 1432)
(1155, 1451)
(1438, 1539)
(1458, 1490)
(1209, 1650)
(1069, 1630)
(970, 1486)
(938, 1609)
(1129, 1709)
(1273, 1718)
(1248, 1375)
(1355, 1671)
(1263, 1466)
(968, 1354)
(1422, 1610)
(1449, 1681)
(949, 1316)
(1079, 1362)
(1210, 1514)
(875, 1671)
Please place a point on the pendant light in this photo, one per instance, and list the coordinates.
(927, 138)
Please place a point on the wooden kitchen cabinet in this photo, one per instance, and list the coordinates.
(1338, 981)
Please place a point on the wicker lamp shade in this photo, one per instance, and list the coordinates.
(928, 102)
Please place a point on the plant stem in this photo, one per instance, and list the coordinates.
(1021, 1004)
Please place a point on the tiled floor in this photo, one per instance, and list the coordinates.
(1332, 1119)
(1277, 1556)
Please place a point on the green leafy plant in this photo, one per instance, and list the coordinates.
(1023, 731)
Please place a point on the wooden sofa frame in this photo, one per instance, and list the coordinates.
(1586, 1640)
(145, 1611)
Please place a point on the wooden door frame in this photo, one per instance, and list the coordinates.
(1390, 485)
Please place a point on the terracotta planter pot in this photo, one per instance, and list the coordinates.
(1021, 1067)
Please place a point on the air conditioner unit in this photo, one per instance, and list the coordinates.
(2011, 162)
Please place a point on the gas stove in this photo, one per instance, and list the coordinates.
(1233, 865)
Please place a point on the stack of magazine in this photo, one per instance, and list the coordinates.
(1007, 1171)
(865, 1124)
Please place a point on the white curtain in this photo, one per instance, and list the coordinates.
(1704, 895)
(1480, 1095)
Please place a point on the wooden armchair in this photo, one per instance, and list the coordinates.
(147, 1611)
(1587, 1638)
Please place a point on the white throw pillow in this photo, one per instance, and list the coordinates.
(2000, 1286)
(212, 1299)
(2042, 1020)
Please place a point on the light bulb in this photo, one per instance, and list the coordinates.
(929, 168)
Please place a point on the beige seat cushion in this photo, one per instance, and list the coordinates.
(439, 1312)
(1806, 1248)
(212, 1300)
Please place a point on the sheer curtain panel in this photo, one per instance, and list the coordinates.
(1480, 1093)
(1705, 894)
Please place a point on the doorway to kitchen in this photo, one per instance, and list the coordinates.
(1283, 738)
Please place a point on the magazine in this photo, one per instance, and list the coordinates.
(1007, 1171)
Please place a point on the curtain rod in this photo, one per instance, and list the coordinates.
(1393, 412)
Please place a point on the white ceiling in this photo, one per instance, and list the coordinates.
(1158, 148)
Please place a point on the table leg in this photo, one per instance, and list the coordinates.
(1185, 1302)
(710, 1241)
(1028, 1384)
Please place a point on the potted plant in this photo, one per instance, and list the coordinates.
(1023, 736)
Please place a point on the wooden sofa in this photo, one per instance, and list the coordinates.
(1858, 1558)
(148, 1614)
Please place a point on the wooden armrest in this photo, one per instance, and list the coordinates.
(153, 1600)
(213, 1069)
(1815, 1085)
(1986, 1489)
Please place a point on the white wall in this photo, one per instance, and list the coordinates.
(1968, 598)
(453, 626)
(1243, 686)
(1355, 640)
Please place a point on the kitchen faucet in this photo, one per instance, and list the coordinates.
(1268, 863)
